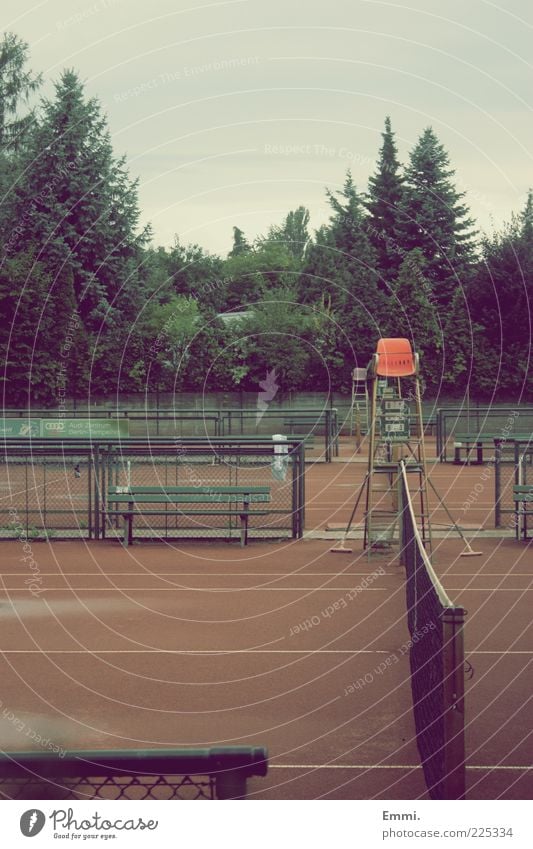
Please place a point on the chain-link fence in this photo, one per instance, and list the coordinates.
(46, 492)
(513, 465)
(319, 426)
(60, 490)
(487, 423)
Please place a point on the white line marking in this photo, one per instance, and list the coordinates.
(213, 589)
(386, 766)
(236, 651)
(195, 651)
(268, 574)
(220, 574)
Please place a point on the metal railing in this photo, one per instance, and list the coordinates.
(513, 465)
(57, 488)
(488, 422)
(317, 422)
(183, 774)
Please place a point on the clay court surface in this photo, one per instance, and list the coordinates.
(204, 644)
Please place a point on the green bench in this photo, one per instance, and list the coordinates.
(134, 498)
(523, 499)
(469, 441)
(308, 438)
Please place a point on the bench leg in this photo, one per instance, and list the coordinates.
(244, 527)
(127, 536)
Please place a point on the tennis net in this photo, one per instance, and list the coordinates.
(437, 662)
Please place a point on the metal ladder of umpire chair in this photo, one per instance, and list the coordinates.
(359, 405)
(390, 440)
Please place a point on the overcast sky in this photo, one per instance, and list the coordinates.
(232, 113)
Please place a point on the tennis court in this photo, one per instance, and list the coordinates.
(282, 644)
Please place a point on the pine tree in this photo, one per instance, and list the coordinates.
(76, 211)
(433, 218)
(78, 204)
(341, 267)
(318, 275)
(526, 219)
(415, 314)
(240, 245)
(462, 342)
(500, 298)
(41, 336)
(383, 199)
(16, 86)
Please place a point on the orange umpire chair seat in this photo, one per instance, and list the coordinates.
(394, 358)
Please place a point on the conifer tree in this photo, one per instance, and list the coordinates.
(240, 245)
(501, 297)
(383, 199)
(341, 267)
(77, 204)
(415, 313)
(434, 218)
(17, 84)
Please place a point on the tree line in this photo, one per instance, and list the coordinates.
(91, 306)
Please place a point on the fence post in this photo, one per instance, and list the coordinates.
(90, 475)
(497, 483)
(301, 464)
(96, 483)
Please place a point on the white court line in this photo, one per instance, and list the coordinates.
(229, 590)
(237, 651)
(387, 766)
(200, 573)
(196, 651)
(215, 589)
(297, 574)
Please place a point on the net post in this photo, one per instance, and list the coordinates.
(454, 784)
(401, 506)
(230, 784)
